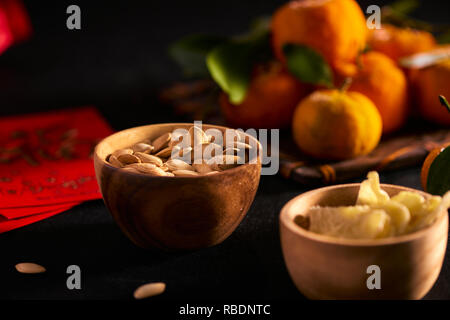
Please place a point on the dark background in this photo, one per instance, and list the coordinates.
(119, 57)
(118, 61)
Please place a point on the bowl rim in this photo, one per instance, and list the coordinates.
(219, 173)
(285, 220)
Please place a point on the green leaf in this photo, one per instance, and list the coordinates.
(404, 6)
(231, 63)
(259, 28)
(444, 37)
(190, 52)
(230, 66)
(444, 102)
(398, 14)
(308, 65)
(438, 181)
(228, 60)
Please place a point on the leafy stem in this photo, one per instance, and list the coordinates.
(444, 102)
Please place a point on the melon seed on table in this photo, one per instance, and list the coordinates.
(29, 267)
(162, 156)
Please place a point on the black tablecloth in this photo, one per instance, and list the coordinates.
(248, 265)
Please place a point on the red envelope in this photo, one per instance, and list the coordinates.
(7, 225)
(15, 213)
(45, 159)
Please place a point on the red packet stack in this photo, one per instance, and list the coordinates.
(46, 164)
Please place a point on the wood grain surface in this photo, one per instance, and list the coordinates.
(173, 213)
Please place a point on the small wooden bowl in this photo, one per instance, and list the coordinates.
(174, 213)
(324, 267)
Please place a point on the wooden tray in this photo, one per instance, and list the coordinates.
(198, 100)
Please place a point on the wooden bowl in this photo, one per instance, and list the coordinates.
(174, 212)
(324, 267)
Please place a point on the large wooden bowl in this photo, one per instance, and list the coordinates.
(173, 212)
(323, 267)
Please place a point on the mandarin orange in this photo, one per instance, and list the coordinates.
(382, 81)
(336, 125)
(398, 42)
(334, 28)
(270, 101)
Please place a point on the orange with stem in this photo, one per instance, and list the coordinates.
(433, 153)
